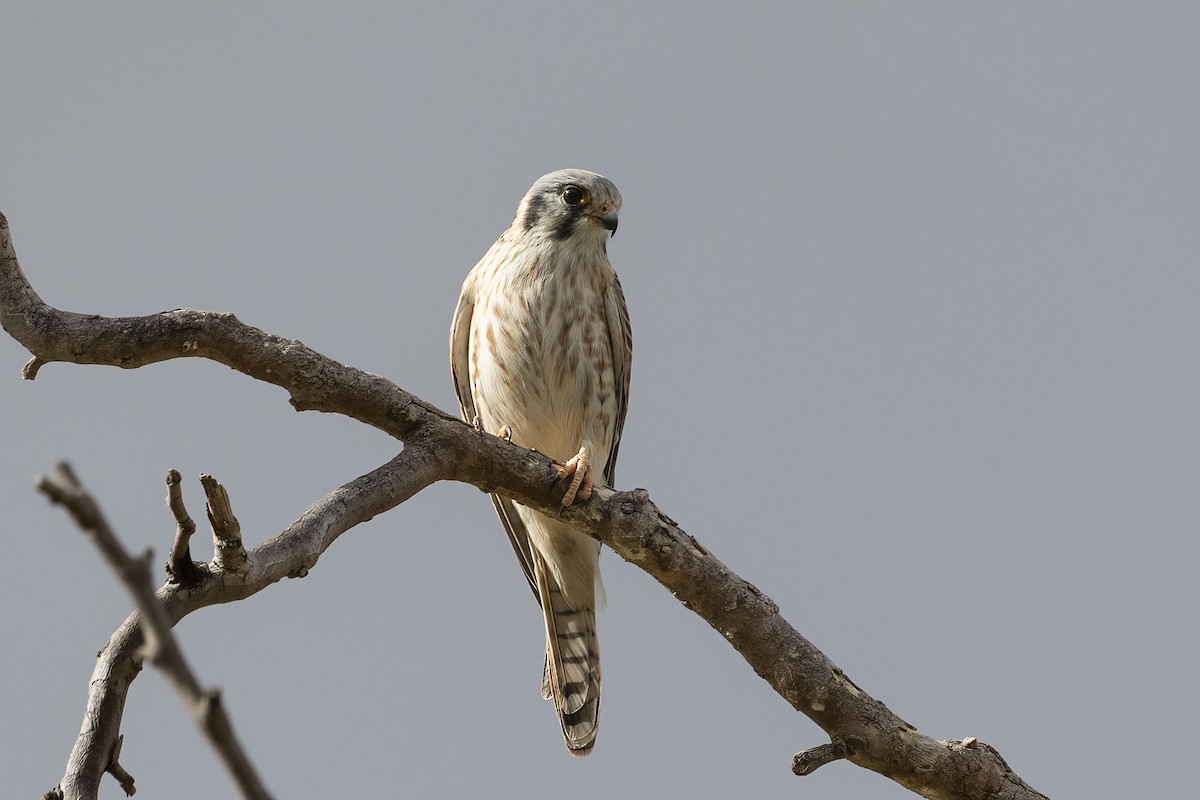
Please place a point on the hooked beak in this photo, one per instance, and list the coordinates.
(609, 221)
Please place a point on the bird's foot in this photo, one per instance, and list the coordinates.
(579, 469)
(505, 432)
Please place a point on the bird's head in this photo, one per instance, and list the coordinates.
(570, 203)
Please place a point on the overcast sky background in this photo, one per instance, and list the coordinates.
(914, 294)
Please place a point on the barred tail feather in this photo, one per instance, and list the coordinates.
(572, 675)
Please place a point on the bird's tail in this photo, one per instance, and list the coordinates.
(572, 675)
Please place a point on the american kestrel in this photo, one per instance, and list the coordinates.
(540, 349)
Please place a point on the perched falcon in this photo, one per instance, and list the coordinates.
(540, 349)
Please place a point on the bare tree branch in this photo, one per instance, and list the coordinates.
(290, 554)
(62, 487)
(437, 447)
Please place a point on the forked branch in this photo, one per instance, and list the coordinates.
(63, 488)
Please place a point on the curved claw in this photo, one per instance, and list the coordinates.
(579, 468)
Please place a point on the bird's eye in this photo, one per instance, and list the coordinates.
(574, 196)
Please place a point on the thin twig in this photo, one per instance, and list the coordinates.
(117, 771)
(229, 554)
(808, 761)
(180, 567)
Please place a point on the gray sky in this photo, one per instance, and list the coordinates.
(914, 302)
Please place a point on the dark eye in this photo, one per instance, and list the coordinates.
(574, 196)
